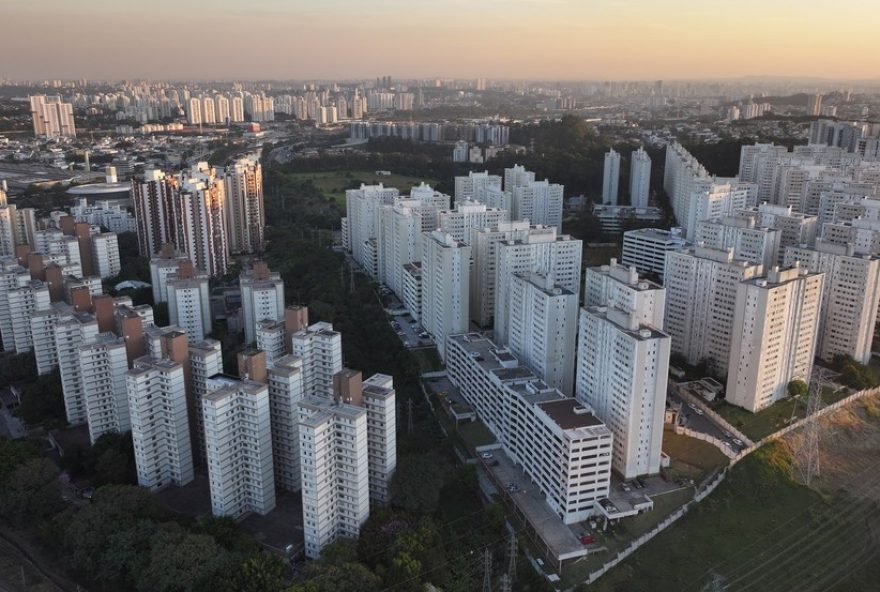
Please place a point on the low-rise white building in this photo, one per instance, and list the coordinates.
(556, 440)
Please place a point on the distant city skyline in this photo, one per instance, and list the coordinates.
(503, 39)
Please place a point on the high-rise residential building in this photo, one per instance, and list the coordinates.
(102, 367)
(246, 215)
(205, 361)
(750, 156)
(741, 233)
(474, 186)
(154, 197)
(361, 224)
(468, 217)
(348, 455)
(221, 109)
(12, 277)
(200, 220)
(51, 117)
(863, 234)
(189, 302)
(209, 115)
(262, 298)
(779, 319)
(236, 111)
(539, 202)
(797, 228)
(23, 302)
(814, 105)
(194, 111)
(285, 380)
(400, 242)
(620, 287)
(105, 253)
(556, 440)
(517, 176)
(851, 295)
(622, 368)
(271, 339)
(320, 348)
(164, 266)
(539, 250)
(238, 443)
(639, 178)
(43, 324)
(445, 286)
(379, 399)
(543, 328)
(701, 287)
(611, 177)
(334, 462)
(156, 389)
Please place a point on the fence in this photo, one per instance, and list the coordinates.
(713, 415)
(724, 448)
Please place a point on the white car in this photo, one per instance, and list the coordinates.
(737, 441)
(485, 455)
(698, 411)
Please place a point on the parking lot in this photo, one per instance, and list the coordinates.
(692, 417)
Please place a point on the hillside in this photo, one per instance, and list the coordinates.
(763, 531)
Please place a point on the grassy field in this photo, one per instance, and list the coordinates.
(334, 183)
(763, 423)
(691, 457)
(759, 531)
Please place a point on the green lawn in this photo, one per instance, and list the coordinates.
(758, 531)
(334, 183)
(691, 457)
(763, 423)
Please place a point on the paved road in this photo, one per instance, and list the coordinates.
(701, 423)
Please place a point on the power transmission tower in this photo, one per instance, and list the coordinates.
(806, 454)
(504, 585)
(487, 571)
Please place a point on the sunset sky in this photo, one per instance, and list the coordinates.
(539, 39)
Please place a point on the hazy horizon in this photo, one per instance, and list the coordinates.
(499, 39)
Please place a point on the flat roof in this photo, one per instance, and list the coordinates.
(570, 414)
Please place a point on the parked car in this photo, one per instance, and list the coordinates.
(485, 455)
(737, 441)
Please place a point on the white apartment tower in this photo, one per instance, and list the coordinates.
(779, 319)
(474, 186)
(622, 371)
(189, 305)
(262, 298)
(516, 177)
(611, 177)
(639, 178)
(51, 117)
(105, 253)
(238, 442)
(156, 390)
(445, 286)
(468, 217)
(320, 348)
(361, 224)
(334, 461)
(102, 368)
(205, 361)
(741, 233)
(543, 328)
(540, 250)
(620, 287)
(701, 287)
(539, 202)
(285, 379)
(849, 301)
(201, 221)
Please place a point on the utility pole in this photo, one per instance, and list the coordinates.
(487, 571)
(351, 278)
(409, 417)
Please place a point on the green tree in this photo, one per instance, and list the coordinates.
(13, 454)
(348, 577)
(416, 484)
(260, 573)
(31, 492)
(184, 562)
(42, 402)
(797, 388)
(126, 555)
